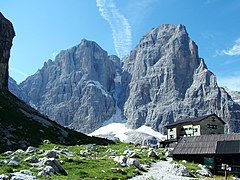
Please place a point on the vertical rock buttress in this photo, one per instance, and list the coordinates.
(6, 36)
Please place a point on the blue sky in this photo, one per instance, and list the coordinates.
(44, 27)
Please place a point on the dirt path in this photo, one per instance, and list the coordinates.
(160, 171)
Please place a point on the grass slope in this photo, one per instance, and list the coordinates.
(96, 164)
(22, 126)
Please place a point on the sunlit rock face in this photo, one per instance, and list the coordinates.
(76, 89)
(162, 80)
(6, 36)
(166, 81)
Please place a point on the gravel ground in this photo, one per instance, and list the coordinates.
(160, 171)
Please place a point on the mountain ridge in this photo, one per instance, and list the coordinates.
(162, 79)
(21, 125)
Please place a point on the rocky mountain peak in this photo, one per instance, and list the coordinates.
(166, 80)
(76, 88)
(163, 79)
(7, 34)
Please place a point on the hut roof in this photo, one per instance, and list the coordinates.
(209, 144)
(192, 120)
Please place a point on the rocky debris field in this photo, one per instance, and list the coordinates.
(118, 161)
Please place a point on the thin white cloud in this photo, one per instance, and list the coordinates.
(18, 72)
(138, 10)
(235, 50)
(231, 82)
(121, 29)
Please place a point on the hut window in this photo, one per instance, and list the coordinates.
(212, 126)
(213, 119)
(196, 130)
(171, 136)
(171, 130)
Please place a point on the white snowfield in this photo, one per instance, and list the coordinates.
(119, 130)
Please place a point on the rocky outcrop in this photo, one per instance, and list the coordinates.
(234, 94)
(166, 81)
(76, 89)
(6, 36)
(15, 89)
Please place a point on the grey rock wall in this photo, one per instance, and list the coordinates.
(76, 89)
(168, 81)
(6, 36)
(163, 79)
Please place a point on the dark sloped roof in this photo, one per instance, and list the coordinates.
(226, 147)
(192, 120)
(207, 144)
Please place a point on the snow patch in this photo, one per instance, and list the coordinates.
(148, 130)
(119, 130)
(116, 129)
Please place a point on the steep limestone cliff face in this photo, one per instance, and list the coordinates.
(162, 80)
(234, 94)
(6, 36)
(75, 89)
(167, 81)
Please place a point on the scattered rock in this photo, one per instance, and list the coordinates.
(15, 158)
(56, 166)
(152, 153)
(83, 152)
(41, 161)
(3, 177)
(4, 161)
(131, 153)
(111, 151)
(51, 154)
(204, 172)
(125, 161)
(184, 161)
(41, 151)
(47, 171)
(136, 163)
(121, 160)
(20, 151)
(8, 153)
(22, 175)
(13, 163)
(179, 170)
(31, 149)
(66, 152)
(46, 142)
(32, 159)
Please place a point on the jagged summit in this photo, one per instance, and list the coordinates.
(166, 80)
(76, 88)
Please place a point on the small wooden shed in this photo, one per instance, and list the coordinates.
(211, 150)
